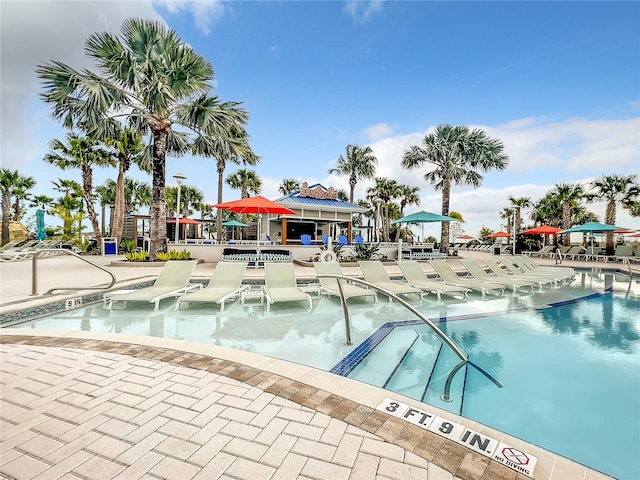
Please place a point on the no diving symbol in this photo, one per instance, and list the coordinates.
(515, 456)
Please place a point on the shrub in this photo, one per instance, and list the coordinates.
(137, 256)
(366, 251)
(128, 245)
(173, 255)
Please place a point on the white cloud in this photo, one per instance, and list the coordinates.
(361, 11)
(378, 131)
(205, 13)
(46, 31)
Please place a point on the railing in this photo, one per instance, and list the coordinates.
(464, 358)
(34, 272)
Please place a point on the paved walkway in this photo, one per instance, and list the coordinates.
(84, 405)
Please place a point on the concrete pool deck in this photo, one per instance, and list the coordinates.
(88, 405)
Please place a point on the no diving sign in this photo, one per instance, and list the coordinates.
(515, 459)
(501, 452)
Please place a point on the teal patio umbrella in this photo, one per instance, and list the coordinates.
(41, 232)
(423, 217)
(233, 224)
(593, 227)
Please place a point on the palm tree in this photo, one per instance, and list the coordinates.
(288, 186)
(247, 181)
(518, 204)
(359, 163)
(8, 178)
(155, 81)
(569, 195)
(459, 155)
(65, 206)
(382, 194)
(130, 149)
(507, 214)
(614, 189)
(107, 198)
(20, 192)
(82, 153)
(408, 195)
(41, 201)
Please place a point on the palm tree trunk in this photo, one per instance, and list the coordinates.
(88, 200)
(118, 213)
(610, 218)
(219, 215)
(566, 222)
(6, 211)
(158, 215)
(444, 232)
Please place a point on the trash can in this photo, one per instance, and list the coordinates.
(109, 246)
(496, 250)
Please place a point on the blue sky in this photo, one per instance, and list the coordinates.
(557, 82)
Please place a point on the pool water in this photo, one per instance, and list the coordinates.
(568, 358)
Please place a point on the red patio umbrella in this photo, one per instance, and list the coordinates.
(257, 204)
(465, 237)
(500, 234)
(542, 230)
(184, 221)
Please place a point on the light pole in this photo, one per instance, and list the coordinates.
(179, 178)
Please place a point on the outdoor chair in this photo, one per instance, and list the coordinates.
(225, 284)
(342, 240)
(416, 277)
(622, 254)
(450, 277)
(478, 272)
(280, 285)
(173, 281)
(305, 239)
(374, 273)
(329, 286)
(500, 269)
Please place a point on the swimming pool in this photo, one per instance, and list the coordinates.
(570, 372)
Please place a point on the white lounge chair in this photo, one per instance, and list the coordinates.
(173, 281)
(450, 276)
(374, 273)
(478, 272)
(280, 285)
(416, 277)
(329, 286)
(225, 283)
(501, 270)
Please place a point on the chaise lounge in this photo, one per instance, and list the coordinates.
(173, 281)
(329, 285)
(375, 273)
(280, 285)
(225, 284)
(416, 277)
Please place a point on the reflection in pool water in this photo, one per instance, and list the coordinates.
(570, 372)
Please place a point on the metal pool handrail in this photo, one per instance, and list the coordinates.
(462, 355)
(34, 272)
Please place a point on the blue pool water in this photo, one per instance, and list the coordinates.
(568, 358)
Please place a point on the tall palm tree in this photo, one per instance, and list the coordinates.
(130, 150)
(20, 192)
(408, 195)
(155, 81)
(81, 153)
(614, 189)
(507, 214)
(569, 195)
(459, 155)
(8, 178)
(383, 193)
(518, 204)
(247, 181)
(359, 163)
(288, 186)
(107, 198)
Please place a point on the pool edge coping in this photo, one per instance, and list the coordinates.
(342, 398)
